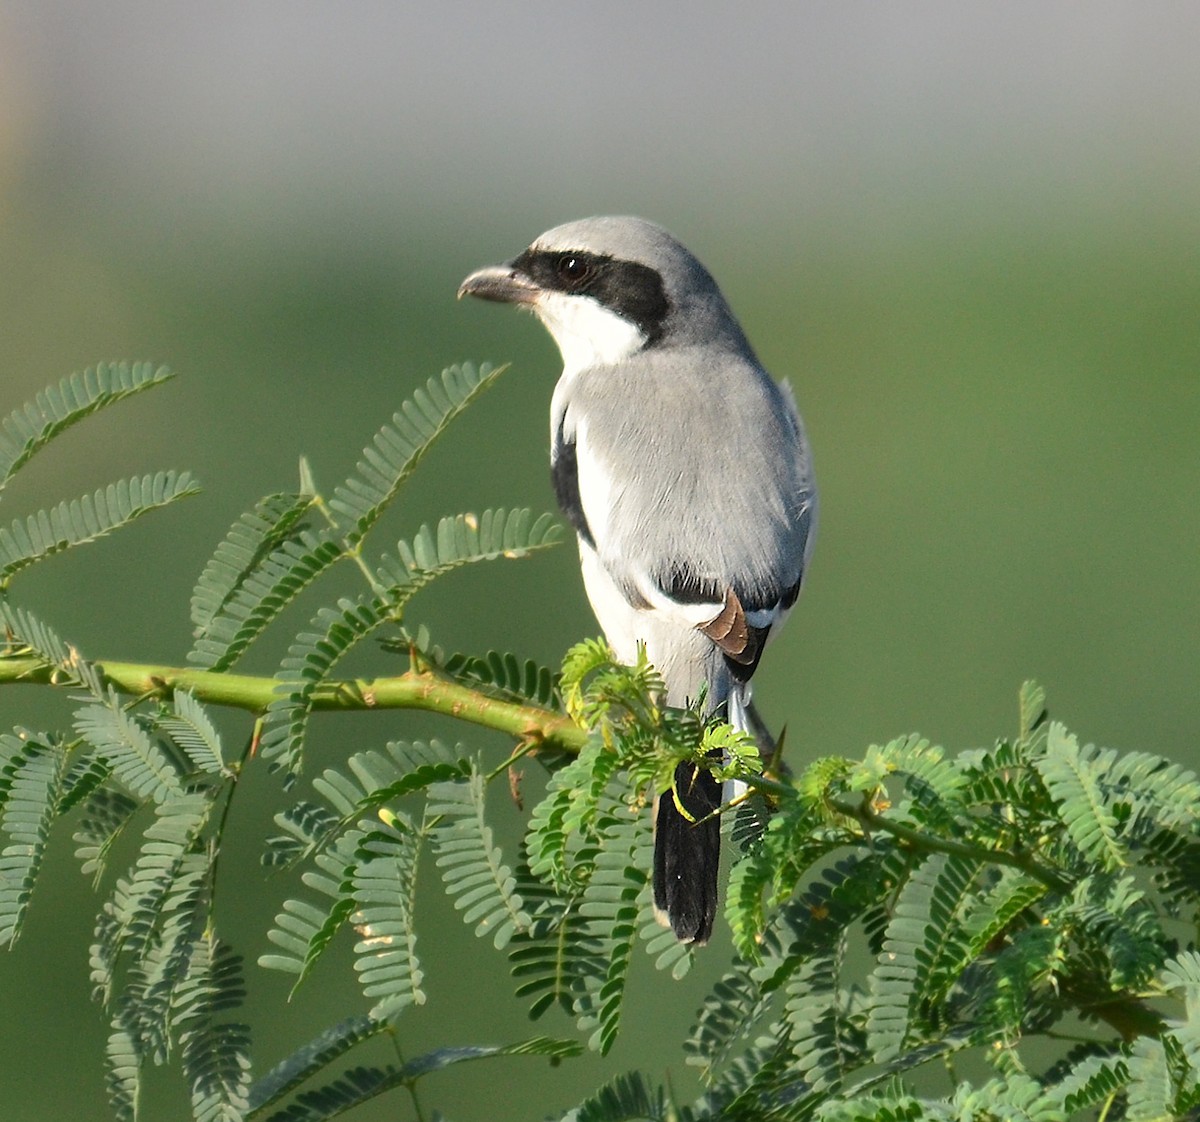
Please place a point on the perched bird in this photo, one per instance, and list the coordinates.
(684, 469)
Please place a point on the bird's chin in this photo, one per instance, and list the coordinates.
(501, 284)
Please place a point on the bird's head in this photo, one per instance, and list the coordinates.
(607, 288)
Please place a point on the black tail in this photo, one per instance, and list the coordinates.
(687, 854)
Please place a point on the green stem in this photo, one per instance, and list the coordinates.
(353, 553)
(234, 777)
(411, 690)
(522, 750)
(928, 843)
(410, 1085)
(769, 786)
(1125, 1013)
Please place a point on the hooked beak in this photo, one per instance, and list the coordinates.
(502, 283)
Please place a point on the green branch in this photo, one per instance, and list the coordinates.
(931, 843)
(411, 690)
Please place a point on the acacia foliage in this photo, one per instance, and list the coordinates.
(1005, 932)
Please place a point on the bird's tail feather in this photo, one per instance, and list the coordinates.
(687, 847)
(687, 854)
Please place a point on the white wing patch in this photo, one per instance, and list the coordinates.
(698, 615)
(691, 615)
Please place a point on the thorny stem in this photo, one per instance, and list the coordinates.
(1123, 1012)
(426, 690)
(928, 843)
(532, 726)
(423, 690)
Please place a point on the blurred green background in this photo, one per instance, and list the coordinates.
(968, 234)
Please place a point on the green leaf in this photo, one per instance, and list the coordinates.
(304, 931)
(168, 856)
(54, 410)
(397, 448)
(1151, 1092)
(1017, 988)
(934, 783)
(379, 778)
(1113, 915)
(308, 663)
(105, 817)
(259, 595)
(88, 518)
(215, 1052)
(668, 952)
(306, 1061)
(124, 739)
(557, 958)
(1181, 976)
(482, 885)
(604, 694)
(990, 913)
(123, 1069)
(256, 534)
(190, 727)
(1032, 704)
(384, 888)
(1072, 775)
(32, 778)
(922, 948)
(893, 1106)
(563, 823)
(505, 677)
(825, 1042)
(361, 1084)
(732, 1009)
(1092, 1081)
(86, 775)
(762, 1083)
(617, 898)
(795, 839)
(1183, 973)
(401, 769)
(464, 540)
(306, 826)
(1152, 788)
(553, 1048)
(928, 774)
(69, 666)
(1015, 1096)
(165, 939)
(629, 1096)
(1004, 775)
(354, 1087)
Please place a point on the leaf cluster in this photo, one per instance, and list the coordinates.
(1003, 933)
(152, 773)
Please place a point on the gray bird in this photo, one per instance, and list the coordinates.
(684, 469)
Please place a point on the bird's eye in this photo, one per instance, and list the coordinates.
(572, 269)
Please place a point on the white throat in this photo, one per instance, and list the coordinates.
(587, 333)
